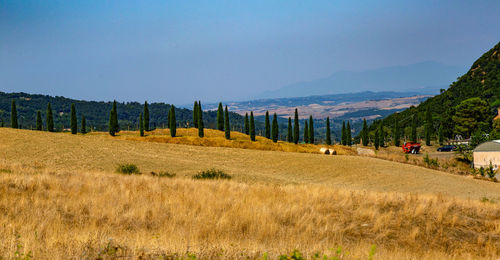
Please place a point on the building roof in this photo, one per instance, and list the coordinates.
(491, 146)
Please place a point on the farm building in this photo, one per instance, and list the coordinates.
(487, 152)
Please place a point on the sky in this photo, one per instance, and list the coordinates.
(180, 51)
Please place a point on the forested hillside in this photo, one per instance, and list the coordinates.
(467, 106)
(97, 113)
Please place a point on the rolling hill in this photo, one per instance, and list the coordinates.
(481, 81)
(275, 202)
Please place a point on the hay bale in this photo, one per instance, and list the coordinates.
(332, 152)
(324, 151)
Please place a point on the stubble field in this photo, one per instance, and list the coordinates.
(60, 197)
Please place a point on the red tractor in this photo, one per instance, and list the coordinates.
(411, 147)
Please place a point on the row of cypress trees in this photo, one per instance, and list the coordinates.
(49, 119)
(346, 138)
(223, 123)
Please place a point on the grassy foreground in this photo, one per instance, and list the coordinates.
(60, 198)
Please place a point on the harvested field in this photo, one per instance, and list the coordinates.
(61, 198)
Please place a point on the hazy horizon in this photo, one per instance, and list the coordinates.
(222, 50)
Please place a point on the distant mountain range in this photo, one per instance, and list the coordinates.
(424, 77)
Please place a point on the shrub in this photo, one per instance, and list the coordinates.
(491, 171)
(430, 162)
(212, 174)
(481, 171)
(128, 168)
(163, 174)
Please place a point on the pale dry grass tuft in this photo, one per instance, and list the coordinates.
(75, 215)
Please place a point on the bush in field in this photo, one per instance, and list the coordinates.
(491, 171)
(430, 162)
(128, 168)
(212, 174)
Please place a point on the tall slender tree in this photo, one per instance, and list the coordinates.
(112, 122)
(328, 132)
(440, 135)
(348, 134)
(343, 139)
(267, 125)
(296, 130)
(39, 124)
(289, 136)
(306, 132)
(227, 129)
(247, 124)
(173, 122)
(195, 114)
(376, 142)
(364, 133)
(74, 121)
(141, 125)
(381, 139)
(201, 130)
(428, 127)
(13, 115)
(413, 136)
(115, 118)
(397, 133)
(50, 119)
(252, 127)
(311, 130)
(275, 128)
(220, 118)
(146, 116)
(83, 130)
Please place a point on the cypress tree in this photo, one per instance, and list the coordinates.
(220, 118)
(195, 114)
(343, 135)
(311, 130)
(252, 127)
(39, 124)
(74, 124)
(328, 132)
(296, 131)
(306, 132)
(268, 127)
(440, 134)
(141, 125)
(275, 128)
(290, 132)
(146, 116)
(413, 136)
(50, 119)
(397, 133)
(84, 125)
(247, 126)
(201, 132)
(112, 123)
(377, 138)
(227, 128)
(348, 134)
(381, 141)
(364, 133)
(173, 122)
(13, 115)
(114, 118)
(428, 127)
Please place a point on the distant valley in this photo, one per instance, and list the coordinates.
(355, 106)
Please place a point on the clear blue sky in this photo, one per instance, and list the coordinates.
(179, 51)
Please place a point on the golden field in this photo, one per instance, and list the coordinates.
(60, 198)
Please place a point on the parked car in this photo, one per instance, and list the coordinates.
(447, 148)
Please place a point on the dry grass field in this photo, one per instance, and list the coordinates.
(61, 198)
